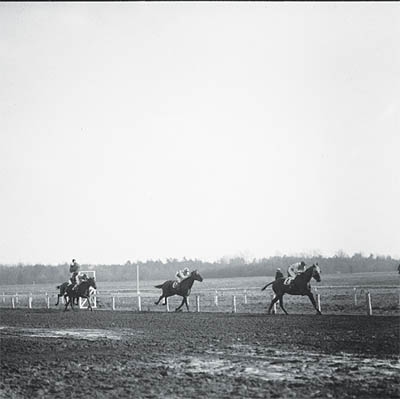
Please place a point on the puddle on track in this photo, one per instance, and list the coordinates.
(83, 334)
(300, 367)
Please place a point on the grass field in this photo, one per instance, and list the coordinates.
(384, 289)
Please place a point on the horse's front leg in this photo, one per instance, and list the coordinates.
(71, 302)
(281, 304)
(312, 299)
(66, 302)
(187, 305)
(58, 299)
(89, 304)
(179, 307)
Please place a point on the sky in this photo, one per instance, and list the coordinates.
(135, 131)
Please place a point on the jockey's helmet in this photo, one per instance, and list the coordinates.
(186, 270)
(302, 264)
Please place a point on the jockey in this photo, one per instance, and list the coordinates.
(182, 274)
(74, 269)
(296, 269)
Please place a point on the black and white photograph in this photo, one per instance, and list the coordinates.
(199, 199)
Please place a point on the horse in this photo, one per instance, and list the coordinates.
(83, 290)
(300, 286)
(182, 289)
(62, 287)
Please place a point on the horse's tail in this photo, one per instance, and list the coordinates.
(265, 286)
(159, 286)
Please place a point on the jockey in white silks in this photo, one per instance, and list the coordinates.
(296, 269)
(182, 274)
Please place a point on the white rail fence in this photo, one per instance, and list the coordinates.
(360, 298)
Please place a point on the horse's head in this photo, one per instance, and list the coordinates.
(196, 275)
(92, 282)
(316, 273)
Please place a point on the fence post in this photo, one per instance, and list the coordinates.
(216, 298)
(4, 297)
(113, 303)
(245, 297)
(319, 302)
(369, 305)
(47, 301)
(13, 302)
(234, 304)
(139, 302)
(167, 304)
(198, 303)
(355, 296)
(30, 301)
(16, 297)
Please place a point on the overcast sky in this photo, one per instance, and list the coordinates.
(201, 130)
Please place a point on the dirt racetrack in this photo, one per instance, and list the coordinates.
(105, 354)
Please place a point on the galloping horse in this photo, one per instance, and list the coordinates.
(182, 289)
(62, 289)
(301, 287)
(82, 291)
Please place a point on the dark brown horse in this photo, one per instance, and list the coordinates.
(170, 288)
(82, 291)
(300, 286)
(62, 289)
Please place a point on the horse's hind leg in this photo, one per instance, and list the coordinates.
(272, 304)
(312, 299)
(58, 299)
(159, 299)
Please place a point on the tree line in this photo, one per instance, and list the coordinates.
(224, 268)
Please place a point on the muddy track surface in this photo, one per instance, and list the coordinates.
(105, 354)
